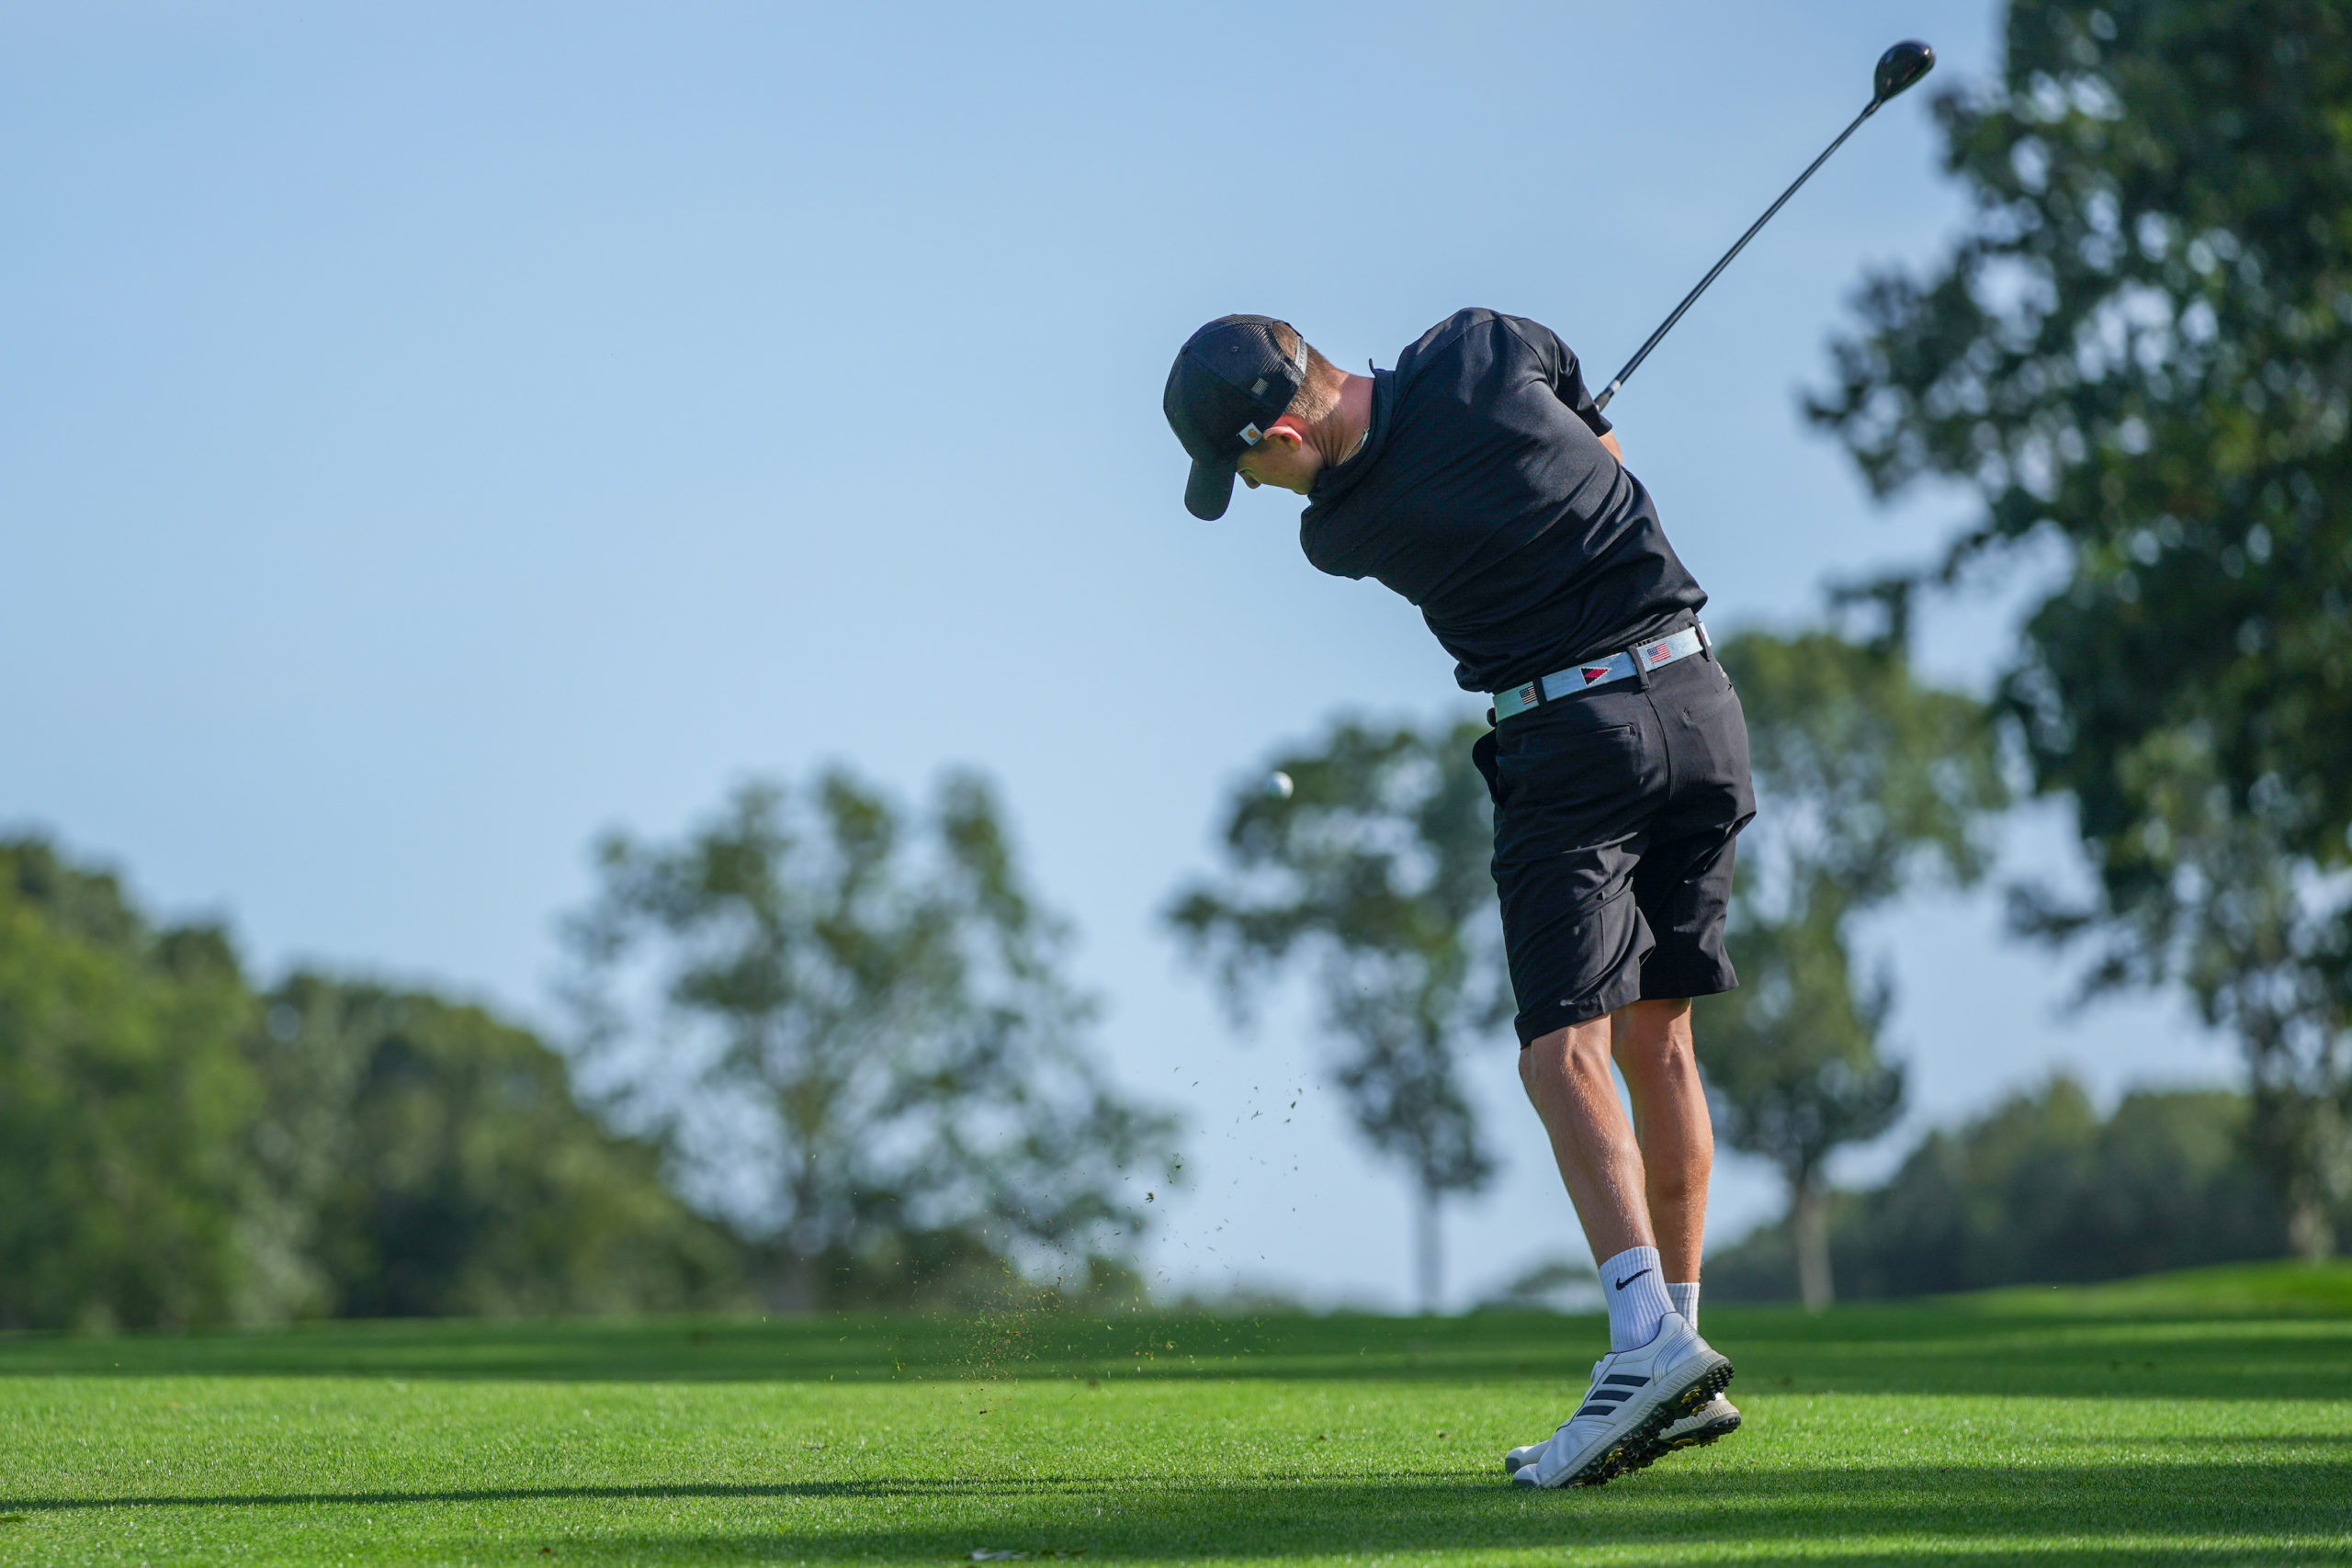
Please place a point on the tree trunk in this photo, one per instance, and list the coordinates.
(1809, 1229)
(2310, 1229)
(1428, 1265)
(800, 1281)
(2300, 1140)
(795, 1282)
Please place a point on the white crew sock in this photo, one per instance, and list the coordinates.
(1686, 1300)
(1636, 1293)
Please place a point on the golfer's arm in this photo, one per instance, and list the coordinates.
(1609, 439)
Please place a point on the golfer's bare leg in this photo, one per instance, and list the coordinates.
(1652, 1044)
(1567, 1076)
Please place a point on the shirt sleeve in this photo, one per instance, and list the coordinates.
(1567, 376)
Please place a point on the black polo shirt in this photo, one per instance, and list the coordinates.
(1484, 495)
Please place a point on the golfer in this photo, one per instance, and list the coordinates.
(1478, 480)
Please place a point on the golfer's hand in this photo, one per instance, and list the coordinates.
(1609, 441)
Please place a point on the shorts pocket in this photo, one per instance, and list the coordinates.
(1712, 697)
(1711, 753)
(1564, 769)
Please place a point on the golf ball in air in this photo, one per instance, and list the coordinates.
(1278, 786)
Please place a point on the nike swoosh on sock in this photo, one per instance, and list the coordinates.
(1630, 1277)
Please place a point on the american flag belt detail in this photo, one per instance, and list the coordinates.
(1600, 672)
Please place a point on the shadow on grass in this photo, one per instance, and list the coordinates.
(2090, 1513)
(1926, 1348)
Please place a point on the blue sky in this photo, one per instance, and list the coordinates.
(431, 434)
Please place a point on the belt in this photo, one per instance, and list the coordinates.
(1600, 671)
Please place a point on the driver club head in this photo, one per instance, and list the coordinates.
(1898, 68)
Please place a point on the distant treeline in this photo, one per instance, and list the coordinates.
(2040, 1189)
(179, 1146)
(182, 1145)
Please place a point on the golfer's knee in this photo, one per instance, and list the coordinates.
(1668, 1183)
(1579, 1050)
(1662, 1066)
(1652, 1041)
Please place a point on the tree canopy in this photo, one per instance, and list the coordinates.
(125, 1093)
(177, 1148)
(2139, 358)
(1867, 781)
(852, 1030)
(454, 1172)
(2042, 1187)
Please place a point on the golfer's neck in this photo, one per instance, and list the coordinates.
(1338, 435)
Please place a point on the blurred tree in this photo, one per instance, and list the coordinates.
(125, 1094)
(2040, 1188)
(176, 1150)
(1865, 779)
(2140, 357)
(452, 1172)
(861, 1046)
(1792, 1065)
(1373, 872)
(1560, 1284)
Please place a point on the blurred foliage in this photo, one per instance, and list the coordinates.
(177, 1149)
(1866, 782)
(462, 1178)
(2043, 1190)
(1372, 874)
(852, 1030)
(126, 1096)
(1563, 1283)
(2139, 357)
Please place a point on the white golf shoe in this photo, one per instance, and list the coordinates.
(1620, 1425)
(1719, 1417)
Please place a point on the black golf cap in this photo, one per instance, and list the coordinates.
(1229, 382)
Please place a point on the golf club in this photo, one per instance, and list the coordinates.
(1898, 68)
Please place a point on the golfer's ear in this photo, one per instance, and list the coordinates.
(1286, 430)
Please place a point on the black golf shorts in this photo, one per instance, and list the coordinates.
(1616, 810)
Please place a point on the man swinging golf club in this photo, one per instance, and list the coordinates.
(1480, 479)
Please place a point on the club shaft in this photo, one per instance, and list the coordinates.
(1668, 325)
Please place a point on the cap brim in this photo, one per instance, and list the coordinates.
(1210, 489)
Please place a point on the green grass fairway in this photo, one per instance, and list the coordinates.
(2205, 1418)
